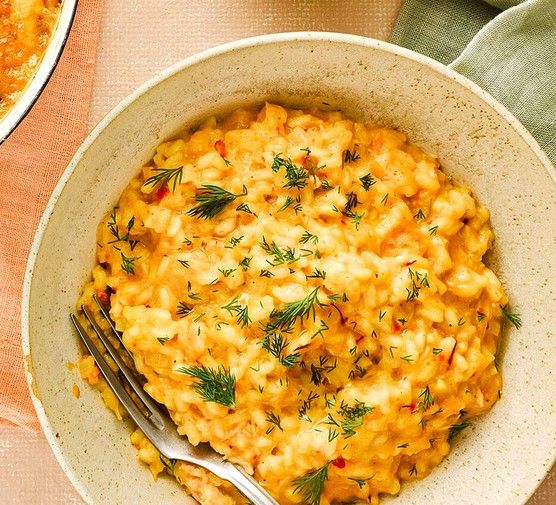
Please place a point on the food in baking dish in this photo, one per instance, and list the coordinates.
(306, 293)
(25, 29)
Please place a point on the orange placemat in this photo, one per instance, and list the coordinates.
(31, 161)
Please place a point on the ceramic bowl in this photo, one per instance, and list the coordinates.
(502, 459)
(38, 82)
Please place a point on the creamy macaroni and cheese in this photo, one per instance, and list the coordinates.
(306, 293)
(25, 29)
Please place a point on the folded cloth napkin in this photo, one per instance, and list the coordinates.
(31, 161)
(508, 53)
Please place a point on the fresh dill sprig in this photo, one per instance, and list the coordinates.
(183, 309)
(306, 406)
(165, 176)
(317, 274)
(513, 317)
(274, 419)
(384, 200)
(325, 185)
(266, 273)
(359, 482)
(236, 309)
(115, 231)
(338, 298)
(311, 485)
(289, 200)
(480, 316)
(353, 417)
(234, 241)
(112, 224)
(351, 203)
(243, 207)
(357, 219)
(319, 370)
(456, 429)
(128, 263)
(212, 200)
(437, 350)
(367, 181)
(245, 263)
(433, 230)
(427, 400)
(308, 237)
(296, 175)
(275, 344)
(227, 272)
(320, 331)
(184, 263)
(285, 318)
(214, 385)
(350, 156)
(419, 215)
(418, 280)
(281, 256)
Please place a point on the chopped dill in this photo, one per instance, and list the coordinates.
(214, 385)
(238, 310)
(165, 176)
(456, 429)
(308, 237)
(367, 181)
(212, 200)
(183, 309)
(273, 419)
(350, 156)
(128, 263)
(512, 317)
(311, 485)
(227, 272)
(275, 344)
(245, 263)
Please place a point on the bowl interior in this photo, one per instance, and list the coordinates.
(505, 455)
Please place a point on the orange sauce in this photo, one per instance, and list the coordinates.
(25, 29)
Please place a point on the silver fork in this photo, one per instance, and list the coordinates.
(156, 425)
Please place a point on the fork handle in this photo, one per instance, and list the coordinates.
(248, 486)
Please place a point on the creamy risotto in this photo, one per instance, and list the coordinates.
(307, 294)
(25, 29)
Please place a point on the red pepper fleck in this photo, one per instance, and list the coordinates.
(397, 327)
(220, 148)
(309, 162)
(452, 355)
(339, 462)
(103, 297)
(162, 192)
(412, 407)
(441, 357)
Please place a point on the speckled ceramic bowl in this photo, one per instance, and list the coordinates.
(508, 452)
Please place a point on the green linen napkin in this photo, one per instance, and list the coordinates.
(511, 53)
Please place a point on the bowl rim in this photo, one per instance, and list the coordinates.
(268, 39)
(36, 85)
